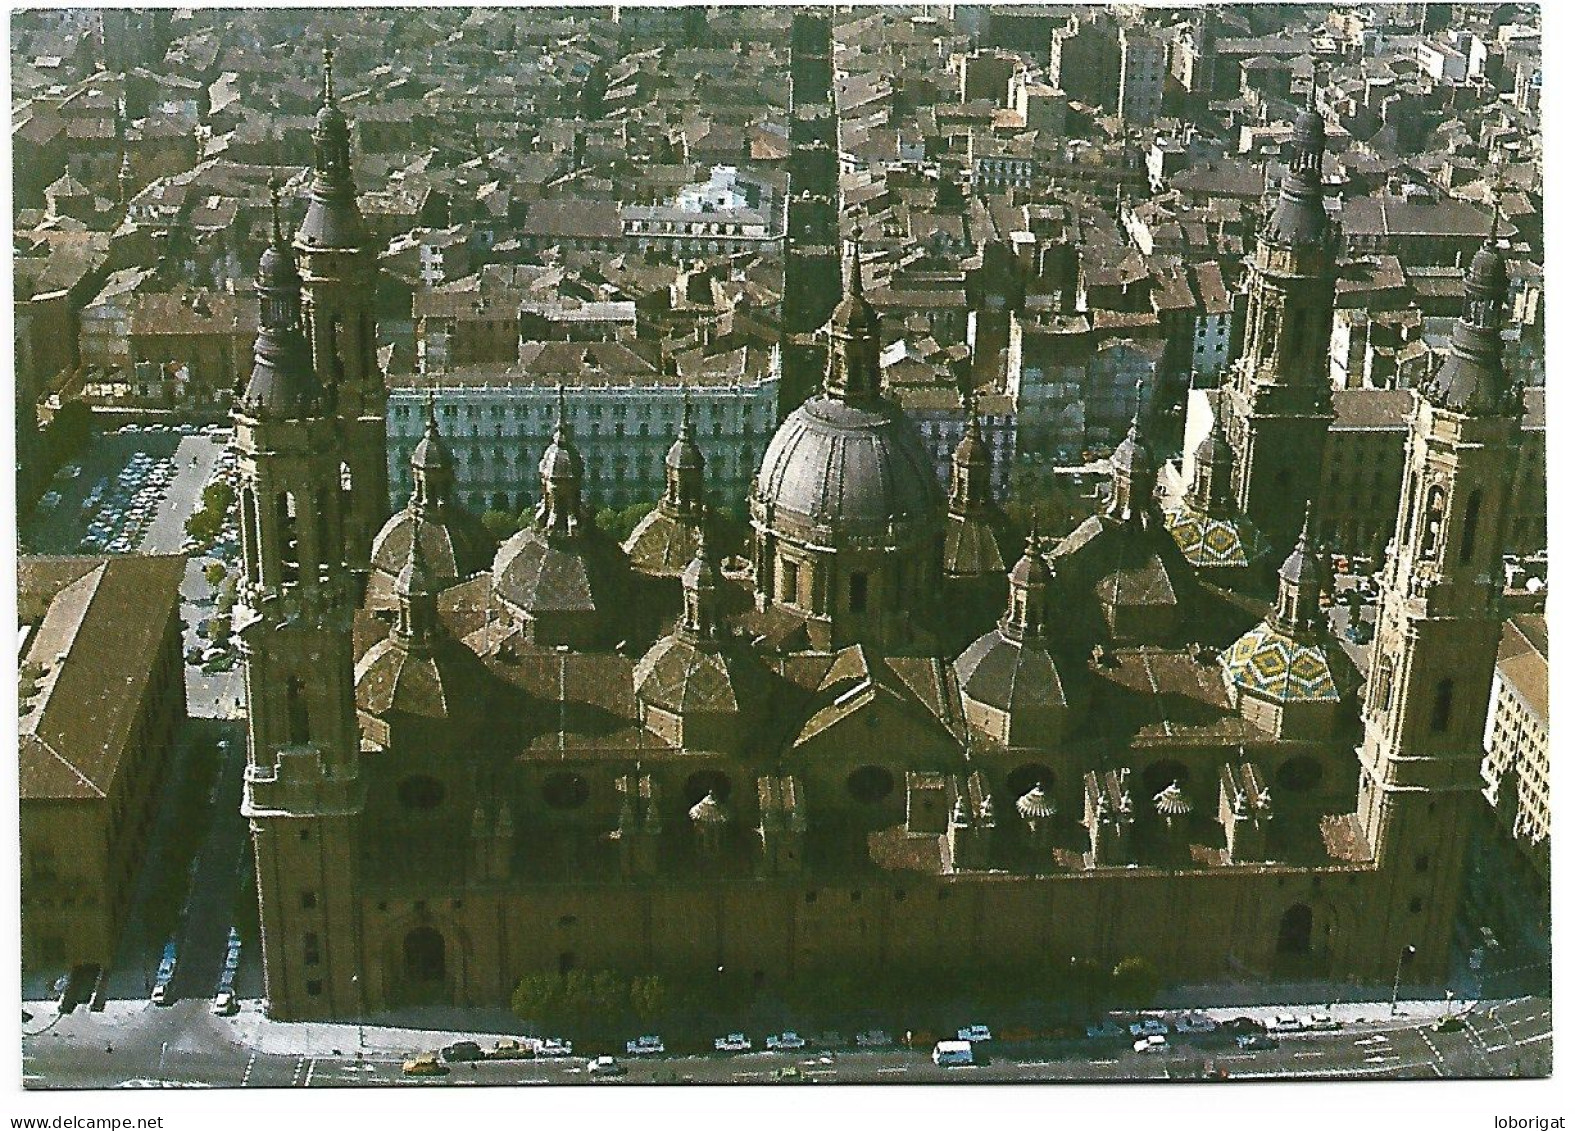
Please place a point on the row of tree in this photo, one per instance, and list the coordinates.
(617, 522)
(602, 1004)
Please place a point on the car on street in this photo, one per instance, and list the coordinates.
(1108, 1028)
(461, 1052)
(1195, 1023)
(952, 1054)
(554, 1048)
(788, 1041)
(1156, 1043)
(1148, 1027)
(1239, 1025)
(650, 1045)
(427, 1064)
(1321, 1023)
(733, 1042)
(606, 1066)
(1256, 1042)
(510, 1049)
(1286, 1023)
(975, 1034)
(872, 1039)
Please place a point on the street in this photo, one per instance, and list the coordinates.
(184, 1045)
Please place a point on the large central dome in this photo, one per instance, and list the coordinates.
(855, 468)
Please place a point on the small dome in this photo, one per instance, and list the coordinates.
(561, 460)
(1032, 569)
(1172, 802)
(442, 682)
(454, 546)
(276, 270)
(685, 454)
(431, 453)
(855, 316)
(1309, 131)
(1036, 804)
(1488, 272)
(708, 811)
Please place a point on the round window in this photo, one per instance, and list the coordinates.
(421, 792)
(870, 784)
(565, 791)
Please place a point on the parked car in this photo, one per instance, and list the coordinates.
(1239, 1025)
(952, 1054)
(733, 1042)
(427, 1064)
(554, 1048)
(872, 1039)
(510, 1049)
(1156, 1043)
(975, 1034)
(1256, 1042)
(1107, 1028)
(645, 1046)
(1286, 1023)
(461, 1052)
(1322, 1023)
(225, 1005)
(1148, 1027)
(788, 1041)
(606, 1066)
(1195, 1023)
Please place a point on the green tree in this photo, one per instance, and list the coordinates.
(500, 524)
(619, 524)
(213, 573)
(1133, 982)
(218, 496)
(538, 999)
(648, 998)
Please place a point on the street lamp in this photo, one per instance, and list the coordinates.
(1406, 954)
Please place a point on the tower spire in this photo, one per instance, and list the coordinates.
(328, 73)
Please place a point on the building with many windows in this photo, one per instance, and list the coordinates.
(621, 409)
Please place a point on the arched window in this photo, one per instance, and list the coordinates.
(295, 708)
(1295, 930)
(1433, 529)
(424, 955)
(1028, 775)
(1468, 527)
(289, 550)
(1443, 705)
(702, 782)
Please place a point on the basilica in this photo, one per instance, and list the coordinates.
(879, 728)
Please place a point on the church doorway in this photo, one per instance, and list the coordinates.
(425, 967)
(1295, 930)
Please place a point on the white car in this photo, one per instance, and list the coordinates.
(788, 1041)
(645, 1046)
(1196, 1023)
(873, 1039)
(1286, 1022)
(734, 1042)
(225, 1005)
(1148, 1027)
(605, 1066)
(552, 1047)
(975, 1033)
(1150, 1044)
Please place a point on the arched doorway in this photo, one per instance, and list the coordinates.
(425, 966)
(1295, 936)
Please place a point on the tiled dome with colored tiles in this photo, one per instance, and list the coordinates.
(1215, 543)
(1267, 663)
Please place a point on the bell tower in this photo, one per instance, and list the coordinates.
(1438, 628)
(303, 793)
(339, 271)
(1278, 404)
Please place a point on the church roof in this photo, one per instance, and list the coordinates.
(1272, 665)
(1215, 543)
